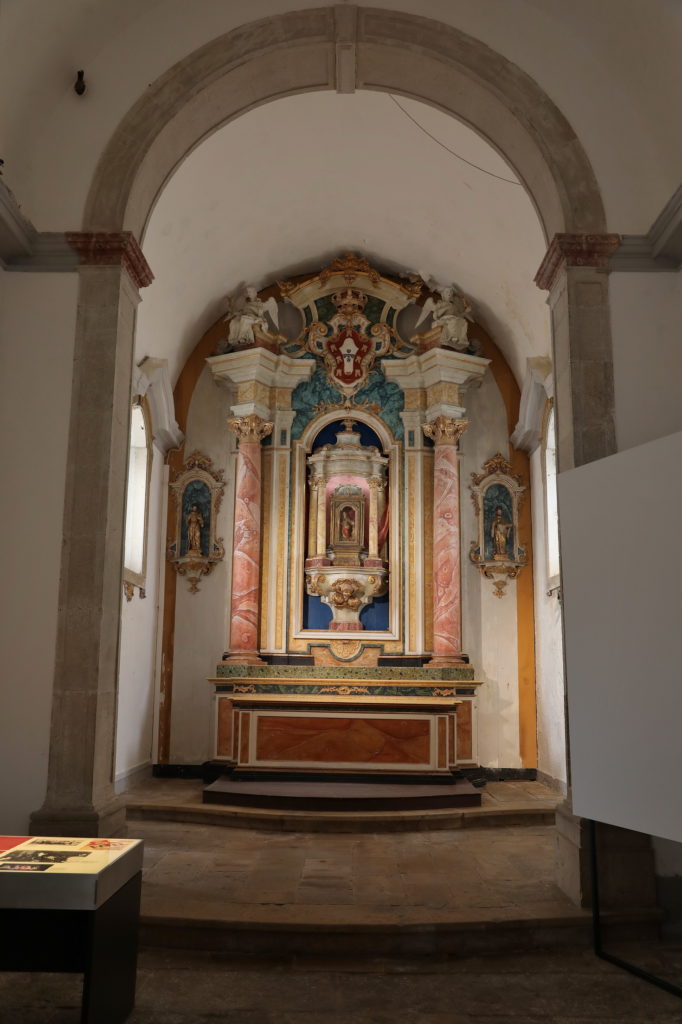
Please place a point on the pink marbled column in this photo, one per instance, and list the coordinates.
(246, 540)
(447, 602)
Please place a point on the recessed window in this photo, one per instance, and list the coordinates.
(552, 515)
(139, 466)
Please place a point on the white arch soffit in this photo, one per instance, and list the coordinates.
(296, 52)
(358, 414)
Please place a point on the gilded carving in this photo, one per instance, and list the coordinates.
(250, 429)
(345, 648)
(445, 430)
(345, 691)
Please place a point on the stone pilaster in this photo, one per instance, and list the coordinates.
(80, 797)
(447, 600)
(250, 431)
(574, 272)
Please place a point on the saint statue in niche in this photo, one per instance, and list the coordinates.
(500, 528)
(347, 523)
(195, 522)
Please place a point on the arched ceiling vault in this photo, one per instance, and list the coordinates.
(292, 183)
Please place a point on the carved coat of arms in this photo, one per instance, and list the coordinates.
(348, 342)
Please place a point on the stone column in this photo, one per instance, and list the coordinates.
(250, 431)
(447, 602)
(80, 799)
(575, 274)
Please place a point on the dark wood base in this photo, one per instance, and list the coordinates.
(351, 797)
(101, 944)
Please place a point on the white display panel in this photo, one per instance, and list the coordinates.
(621, 546)
(65, 872)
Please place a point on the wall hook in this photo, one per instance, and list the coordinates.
(79, 85)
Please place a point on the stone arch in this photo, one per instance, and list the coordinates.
(304, 51)
(341, 48)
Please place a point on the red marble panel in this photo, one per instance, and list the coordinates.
(224, 737)
(442, 742)
(246, 549)
(343, 740)
(244, 723)
(465, 746)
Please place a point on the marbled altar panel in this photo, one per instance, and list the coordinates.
(224, 733)
(342, 740)
(228, 670)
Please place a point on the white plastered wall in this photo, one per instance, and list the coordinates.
(489, 631)
(201, 619)
(37, 320)
(138, 670)
(645, 322)
(549, 666)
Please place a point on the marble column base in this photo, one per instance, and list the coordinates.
(445, 661)
(108, 820)
(243, 658)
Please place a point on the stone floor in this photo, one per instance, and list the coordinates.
(241, 879)
(461, 875)
(177, 987)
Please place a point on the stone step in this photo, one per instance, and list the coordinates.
(328, 934)
(272, 820)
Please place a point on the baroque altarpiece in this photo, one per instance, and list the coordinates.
(345, 650)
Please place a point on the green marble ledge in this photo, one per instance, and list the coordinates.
(445, 689)
(229, 670)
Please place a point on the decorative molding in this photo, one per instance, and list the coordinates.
(537, 388)
(346, 32)
(110, 249)
(636, 253)
(444, 430)
(22, 248)
(567, 250)
(660, 248)
(151, 378)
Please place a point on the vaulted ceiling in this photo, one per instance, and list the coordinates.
(293, 183)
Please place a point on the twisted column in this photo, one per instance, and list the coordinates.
(250, 431)
(447, 600)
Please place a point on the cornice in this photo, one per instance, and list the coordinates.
(575, 251)
(110, 249)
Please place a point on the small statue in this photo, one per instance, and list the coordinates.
(347, 523)
(245, 312)
(451, 312)
(500, 528)
(195, 524)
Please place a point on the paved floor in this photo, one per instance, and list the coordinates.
(465, 874)
(186, 988)
(415, 877)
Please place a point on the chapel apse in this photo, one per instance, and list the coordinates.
(295, 384)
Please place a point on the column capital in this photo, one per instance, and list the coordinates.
(111, 249)
(375, 483)
(575, 251)
(445, 430)
(250, 429)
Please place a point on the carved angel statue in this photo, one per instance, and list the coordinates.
(247, 311)
(451, 312)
